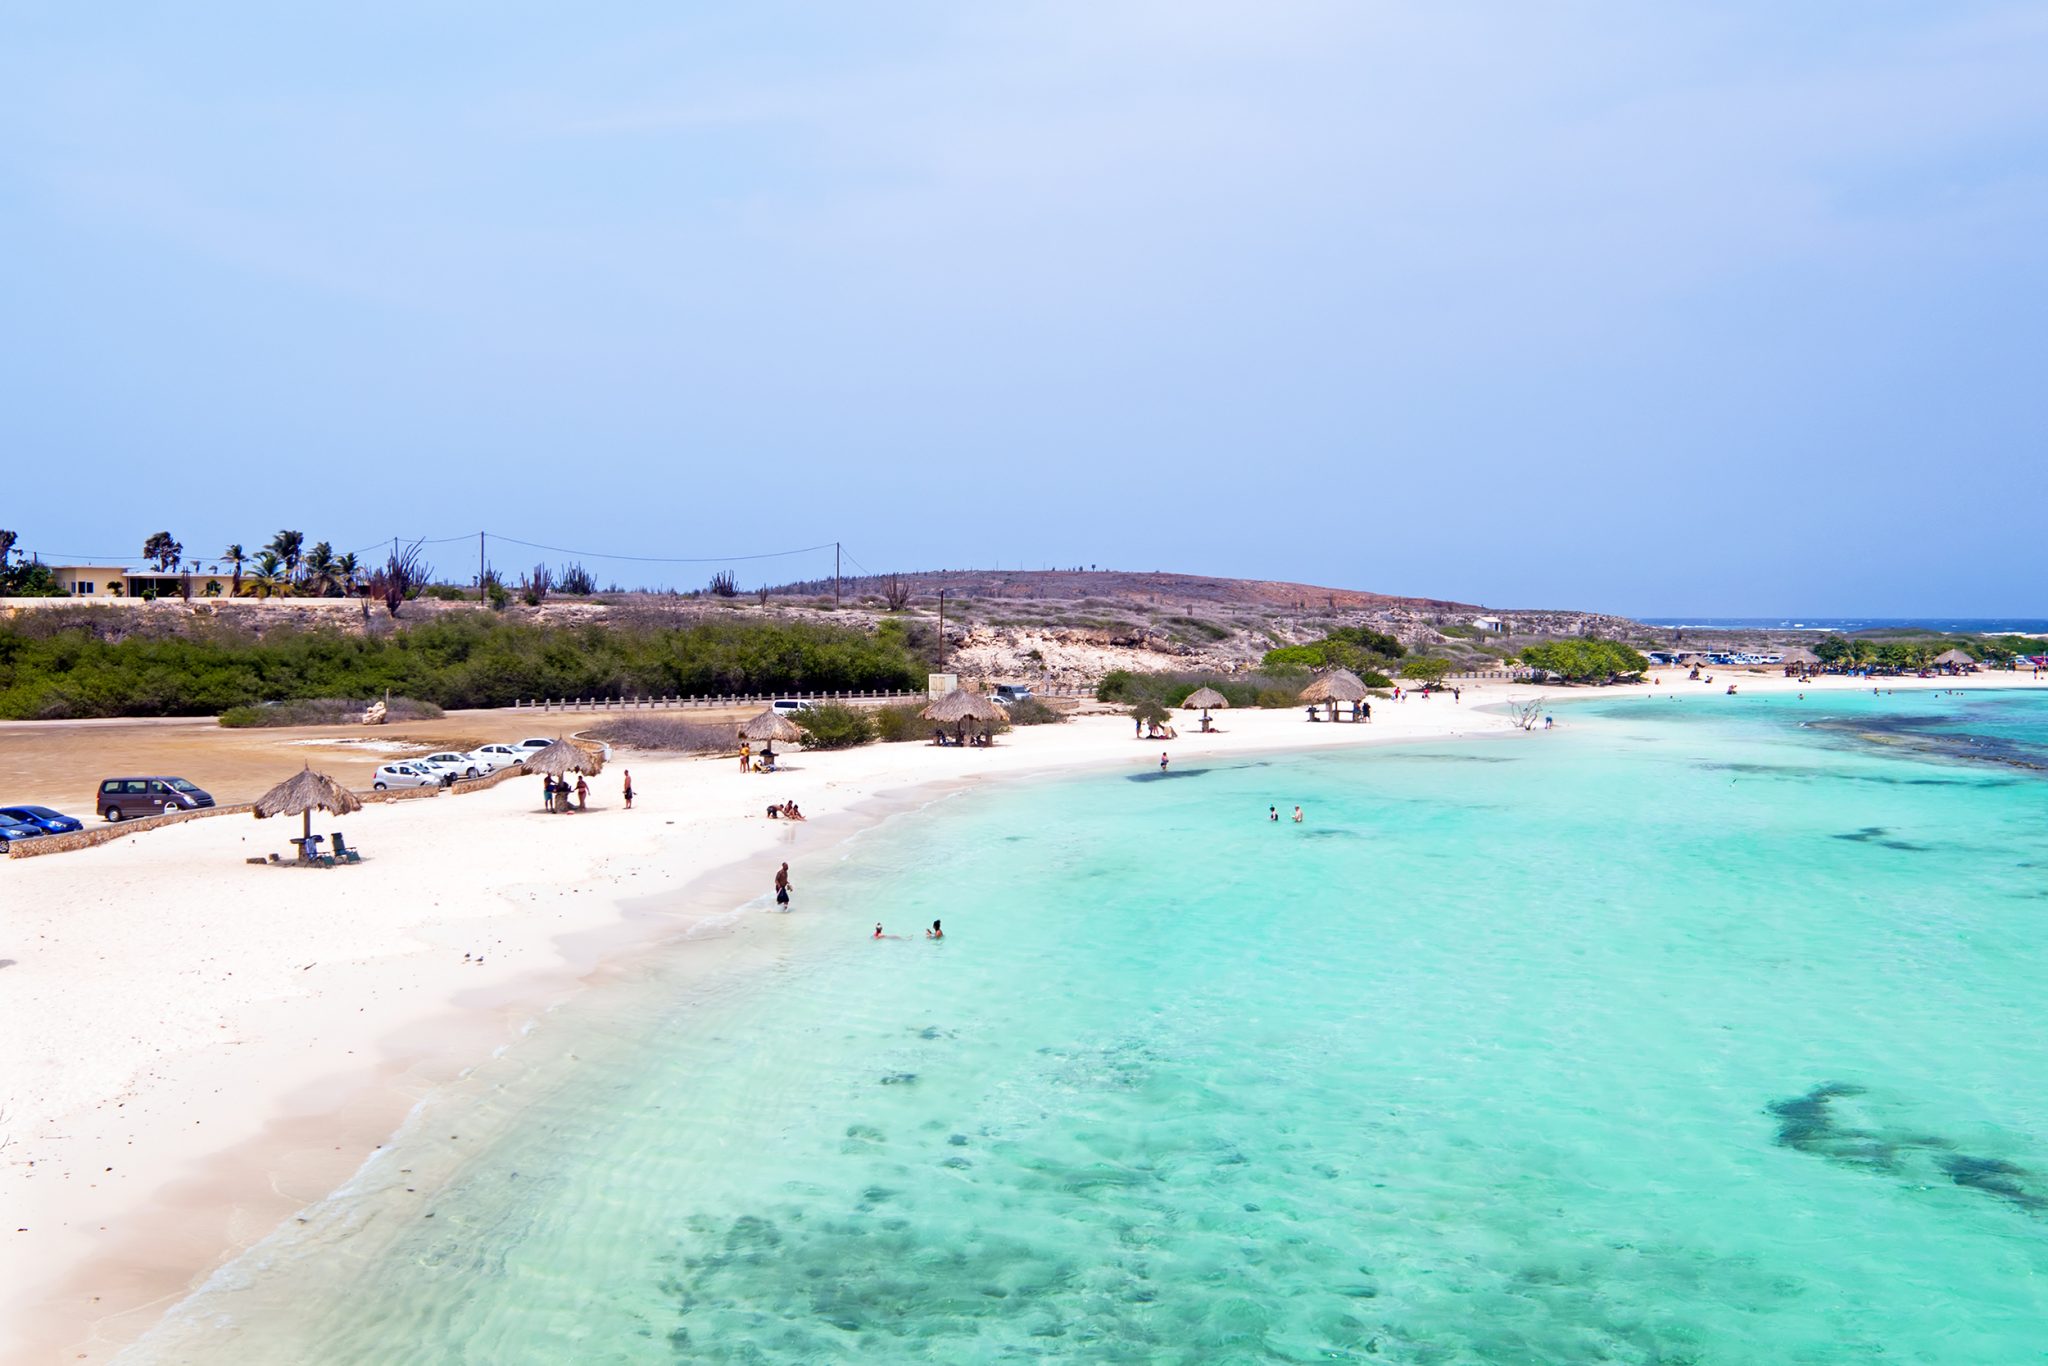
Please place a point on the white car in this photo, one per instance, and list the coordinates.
(790, 706)
(450, 763)
(404, 775)
(525, 748)
(491, 758)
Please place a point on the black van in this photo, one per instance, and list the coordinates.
(123, 797)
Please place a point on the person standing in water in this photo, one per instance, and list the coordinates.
(935, 932)
(1297, 815)
(878, 929)
(1162, 761)
(1272, 813)
(782, 887)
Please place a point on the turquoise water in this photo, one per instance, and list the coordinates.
(1691, 1032)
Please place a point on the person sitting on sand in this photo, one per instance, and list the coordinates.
(795, 812)
(935, 932)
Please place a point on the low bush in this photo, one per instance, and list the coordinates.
(899, 722)
(446, 592)
(828, 725)
(1032, 712)
(324, 711)
(668, 733)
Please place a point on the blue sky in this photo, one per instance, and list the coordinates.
(1729, 309)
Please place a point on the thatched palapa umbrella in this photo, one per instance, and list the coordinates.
(960, 706)
(1205, 698)
(562, 758)
(304, 793)
(771, 725)
(1956, 659)
(1338, 685)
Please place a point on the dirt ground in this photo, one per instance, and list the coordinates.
(60, 763)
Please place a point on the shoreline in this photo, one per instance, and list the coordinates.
(317, 1089)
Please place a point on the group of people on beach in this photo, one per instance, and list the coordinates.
(556, 792)
(787, 811)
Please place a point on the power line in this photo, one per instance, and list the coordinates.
(662, 559)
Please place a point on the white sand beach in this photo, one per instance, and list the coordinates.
(193, 1047)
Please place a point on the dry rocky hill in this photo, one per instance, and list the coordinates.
(1059, 629)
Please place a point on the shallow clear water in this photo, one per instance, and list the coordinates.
(1689, 1032)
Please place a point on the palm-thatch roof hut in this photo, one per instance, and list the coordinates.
(770, 726)
(1338, 685)
(304, 793)
(1205, 698)
(1799, 654)
(1955, 659)
(561, 758)
(962, 705)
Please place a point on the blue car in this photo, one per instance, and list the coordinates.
(43, 819)
(12, 830)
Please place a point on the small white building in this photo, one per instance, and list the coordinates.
(1491, 625)
(91, 580)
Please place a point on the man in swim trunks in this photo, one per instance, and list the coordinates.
(782, 887)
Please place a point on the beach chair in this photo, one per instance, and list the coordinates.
(342, 851)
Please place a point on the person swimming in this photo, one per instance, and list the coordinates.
(1272, 813)
(935, 932)
(878, 929)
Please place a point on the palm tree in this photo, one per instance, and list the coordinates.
(319, 566)
(286, 545)
(235, 557)
(268, 579)
(348, 572)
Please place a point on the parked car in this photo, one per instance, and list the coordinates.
(43, 818)
(403, 775)
(528, 746)
(124, 797)
(491, 758)
(448, 764)
(1007, 693)
(12, 830)
(790, 706)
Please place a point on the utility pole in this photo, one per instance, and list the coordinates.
(942, 628)
(835, 573)
(479, 566)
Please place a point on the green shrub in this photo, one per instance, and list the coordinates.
(1589, 660)
(828, 725)
(1032, 712)
(446, 592)
(91, 662)
(325, 711)
(899, 722)
(1426, 669)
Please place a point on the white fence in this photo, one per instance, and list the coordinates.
(718, 701)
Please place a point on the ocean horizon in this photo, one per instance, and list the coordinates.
(2029, 626)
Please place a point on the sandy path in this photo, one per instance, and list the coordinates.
(192, 1048)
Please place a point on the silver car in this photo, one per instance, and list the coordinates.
(404, 775)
